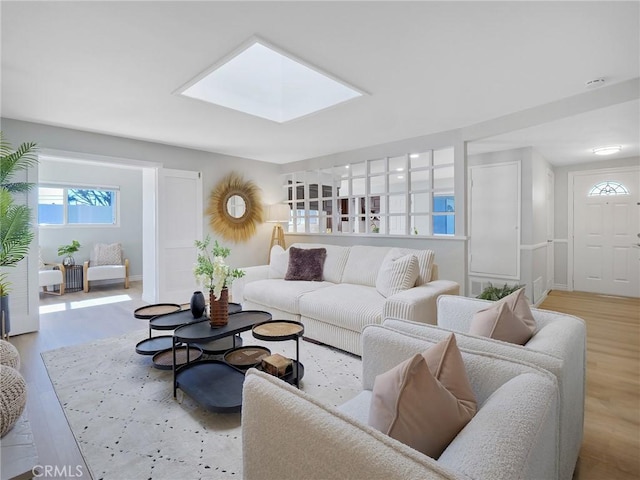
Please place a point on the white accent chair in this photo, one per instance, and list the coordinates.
(558, 346)
(107, 263)
(514, 434)
(51, 274)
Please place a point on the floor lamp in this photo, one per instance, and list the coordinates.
(277, 214)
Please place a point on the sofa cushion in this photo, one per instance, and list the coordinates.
(500, 323)
(279, 262)
(335, 261)
(363, 265)
(397, 273)
(345, 305)
(281, 294)
(306, 264)
(426, 400)
(425, 262)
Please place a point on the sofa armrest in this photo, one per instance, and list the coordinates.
(251, 274)
(287, 434)
(419, 303)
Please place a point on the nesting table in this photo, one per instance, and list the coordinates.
(214, 384)
(280, 331)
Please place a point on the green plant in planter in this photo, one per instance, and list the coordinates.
(496, 293)
(16, 233)
(68, 251)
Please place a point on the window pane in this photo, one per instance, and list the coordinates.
(397, 225)
(444, 224)
(358, 169)
(376, 166)
(357, 186)
(419, 160)
(419, 225)
(343, 189)
(398, 164)
(376, 184)
(397, 204)
(443, 157)
(443, 203)
(397, 183)
(443, 178)
(88, 206)
(420, 202)
(420, 180)
(50, 206)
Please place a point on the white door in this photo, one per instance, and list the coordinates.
(494, 220)
(606, 256)
(180, 217)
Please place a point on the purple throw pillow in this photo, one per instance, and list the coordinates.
(306, 264)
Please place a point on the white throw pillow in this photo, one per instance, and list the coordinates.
(279, 262)
(425, 262)
(397, 273)
(104, 254)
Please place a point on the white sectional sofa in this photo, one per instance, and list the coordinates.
(558, 345)
(335, 310)
(287, 434)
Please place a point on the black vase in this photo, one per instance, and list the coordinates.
(4, 315)
(197, 304)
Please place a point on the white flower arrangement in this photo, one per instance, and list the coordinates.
(211, 270)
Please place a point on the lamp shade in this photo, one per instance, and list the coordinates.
(278, 213)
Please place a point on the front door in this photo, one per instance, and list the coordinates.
(606, 255)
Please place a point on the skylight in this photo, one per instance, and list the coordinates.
(266, 83)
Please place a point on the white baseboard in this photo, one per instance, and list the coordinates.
(541, 299)
(560, 286)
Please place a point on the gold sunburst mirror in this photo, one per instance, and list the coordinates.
(235, 208)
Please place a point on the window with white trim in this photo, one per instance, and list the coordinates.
(75, 205)
(410, 194)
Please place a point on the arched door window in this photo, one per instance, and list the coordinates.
(608, 188)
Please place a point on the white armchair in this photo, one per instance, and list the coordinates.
(558, 346)
(107, 263)
(51, 274)
(513, 434)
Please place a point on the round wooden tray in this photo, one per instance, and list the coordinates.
(150, 311)
(278, 330)
(164, 359)
(246, 357)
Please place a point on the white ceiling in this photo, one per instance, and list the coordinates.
(114, 67)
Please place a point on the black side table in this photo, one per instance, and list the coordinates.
(73, 278)
(280, 331)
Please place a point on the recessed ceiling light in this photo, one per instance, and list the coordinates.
(610, 150)
(263, 81)
(414, 155)
(399, 169)
(400, 177)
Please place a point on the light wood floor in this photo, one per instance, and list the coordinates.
(612, 424)
(611, 446)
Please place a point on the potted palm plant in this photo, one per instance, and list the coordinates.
(16, 233)
(68, 251)
(214, 274)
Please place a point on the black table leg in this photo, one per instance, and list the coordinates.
(175, 383)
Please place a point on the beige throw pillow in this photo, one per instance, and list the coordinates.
(426, 400)
(397, 273)
(107, 254)
(500, 323)
(425, 262)
(509, 320)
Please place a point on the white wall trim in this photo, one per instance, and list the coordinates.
(560, 240)
(560, 286)
(77, 157)
(535, 246)
(377, 235)
(541, 299)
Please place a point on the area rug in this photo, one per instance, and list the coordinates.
(128, 425)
